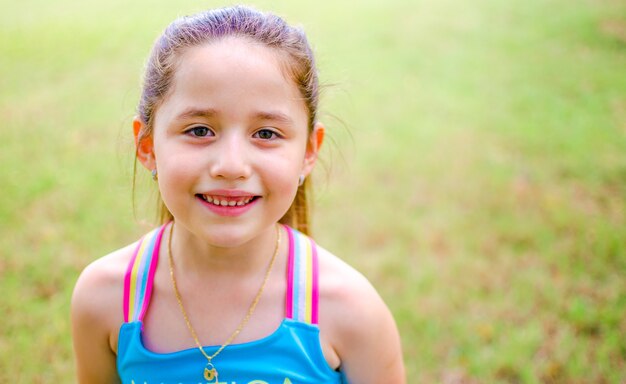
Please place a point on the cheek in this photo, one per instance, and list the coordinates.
(289, 164)
(286, 178)
(176, 169)
(284, 193)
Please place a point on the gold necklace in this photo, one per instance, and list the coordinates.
(210, 372)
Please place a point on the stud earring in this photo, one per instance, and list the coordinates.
(301, 180)
(155, 177)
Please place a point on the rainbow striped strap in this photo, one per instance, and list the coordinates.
(140, 275)
(302, 279)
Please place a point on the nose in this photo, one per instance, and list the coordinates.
(230, 158)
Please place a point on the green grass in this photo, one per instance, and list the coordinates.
(478, 175)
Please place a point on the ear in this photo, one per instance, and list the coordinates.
(144, 145)
(316, 138)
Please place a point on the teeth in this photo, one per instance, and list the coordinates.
(226, 203)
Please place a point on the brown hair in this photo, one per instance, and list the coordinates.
(270, 30)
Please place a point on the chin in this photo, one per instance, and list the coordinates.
(230, 236)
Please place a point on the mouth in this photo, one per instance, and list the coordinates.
(228, 201)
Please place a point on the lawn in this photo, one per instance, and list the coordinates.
(476, 174)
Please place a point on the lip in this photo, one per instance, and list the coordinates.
(228, 193)
(228, 211)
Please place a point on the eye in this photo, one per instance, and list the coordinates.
(266, 134)
(199, 131)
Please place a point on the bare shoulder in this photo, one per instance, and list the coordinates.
(99, 287)
(97, 301)
(97, 314)
(357, 323)
(346, 296)
(343, 286)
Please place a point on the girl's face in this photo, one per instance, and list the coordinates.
(230, 141)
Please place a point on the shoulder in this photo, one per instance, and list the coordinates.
(99, 289)
(356, 322)
(97, 314)
(347, 297)
(102, 276)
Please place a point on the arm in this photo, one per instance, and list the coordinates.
(370, 349)
(360, 328)
(96, 296)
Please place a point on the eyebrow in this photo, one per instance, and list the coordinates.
(196, 112)
(210, 112)
(273, 116)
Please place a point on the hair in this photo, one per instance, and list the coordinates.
(290, 43)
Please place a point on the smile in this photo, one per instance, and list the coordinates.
(228, 201)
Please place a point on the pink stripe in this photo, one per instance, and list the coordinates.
(290, 263)
(129, 271)
(315, 291)
(151, 271)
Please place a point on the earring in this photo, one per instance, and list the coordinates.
(155, 177)
(301, 180)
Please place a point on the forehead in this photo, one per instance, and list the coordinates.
(233, 74)
(227, 55)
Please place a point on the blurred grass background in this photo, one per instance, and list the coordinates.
(477, 175)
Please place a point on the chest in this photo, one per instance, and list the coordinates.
(289, 355)
(213, 310)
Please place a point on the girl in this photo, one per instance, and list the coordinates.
(226, 290)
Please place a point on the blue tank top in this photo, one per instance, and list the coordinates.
(290, 355)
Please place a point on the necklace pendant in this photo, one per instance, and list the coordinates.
(210, 373)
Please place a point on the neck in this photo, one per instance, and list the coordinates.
(195, 256)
